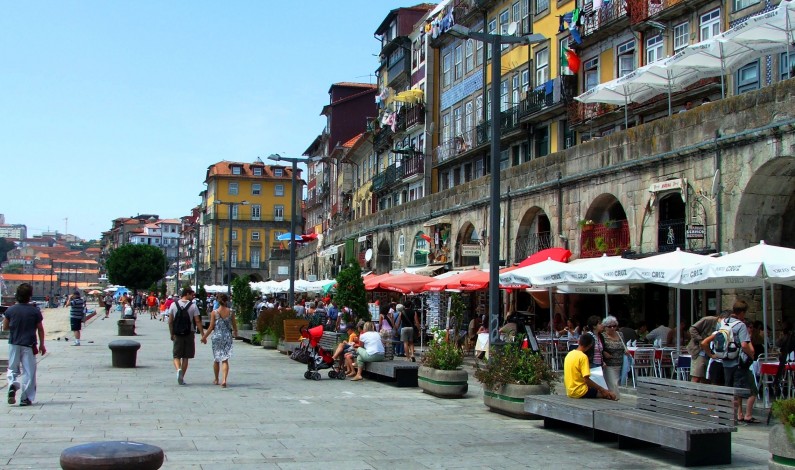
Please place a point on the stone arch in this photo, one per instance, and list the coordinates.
(467, 235)
(605, 229)
(418, 248)
(765, 207)
(671, 221)
(534, 234)
(383, 258)
(256, 277)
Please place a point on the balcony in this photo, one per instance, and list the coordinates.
(279, 253)
(398, 70)
(456, 146)
(383, 139)
(609, 19)
(583, 113)
(384, 180)
(412, 166)
(598, 239)
(531, 244)
(544, 102)
(661, 10)
(414, 116)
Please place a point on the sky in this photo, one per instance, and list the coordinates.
(116, 108)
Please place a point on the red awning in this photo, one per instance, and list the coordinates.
(555, 254)
(405, 283)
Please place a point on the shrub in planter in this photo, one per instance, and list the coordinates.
(781, 438)
(440, 374)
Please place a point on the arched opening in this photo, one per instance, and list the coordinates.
(383, 261)
(421, 248)
(671, 222)
(605, 229)
(254, 277)
(534, 234)
(468, 246)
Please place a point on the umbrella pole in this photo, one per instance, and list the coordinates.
(551, 327)
(607, 304)
(669, 92)
(764, 316)
(773, 314)
(678, 319)
(626, 112)
(723, 72)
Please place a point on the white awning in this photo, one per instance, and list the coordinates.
(445, 219)
(424, 270)
(332, 250)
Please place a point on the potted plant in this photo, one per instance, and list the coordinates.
(441, 374)
(586, 225)
(601, 244)
(267, 335)
(781, 439)
(613, 224)
(511, 374)
(243, 299)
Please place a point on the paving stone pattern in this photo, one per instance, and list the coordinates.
(270, 417)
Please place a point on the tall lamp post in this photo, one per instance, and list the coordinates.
(230, 206)
(495, 40)
(294, 162)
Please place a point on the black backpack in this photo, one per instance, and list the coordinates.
(182, 320)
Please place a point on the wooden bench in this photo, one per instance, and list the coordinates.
(694, 418)
(402, 373)
(330, 340)
(560, 411)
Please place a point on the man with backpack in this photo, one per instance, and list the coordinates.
(184, 320)
(731, 343)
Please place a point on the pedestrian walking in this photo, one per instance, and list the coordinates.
(152, 305)
(183, 321)
(223, 328)
(77, 314)
(24, 322)
(108, 300)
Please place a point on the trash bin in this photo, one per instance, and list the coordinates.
(126, 328)
(124, 353)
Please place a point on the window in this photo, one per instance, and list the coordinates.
(654, 49)
(234, 234)
(255, 258)
(626, 58)
(681, 36)
(478, 169)
(517, 17)
(479, 51)
(469, 62)
(235, 210)
(457, 122)
(504, 96)
(591, 73)
(447, 63)
(492, 30)
(741, 4)
(279, 190)
(233, 258)
(459, 62)
(542, 141)
(515, 90)
(447, 129)
(526, 17)
(542, 67)
(278, 212)
(541, 6)
(236, 170)
(468, 110)
(233, 189)
(401, 245)
(479, 109)
(278, 172)
(709, 24)
(748, 78)
(255, 236)
(256, 212)
(505, 21)
(256, 189)
(784, 68)
(525, 80)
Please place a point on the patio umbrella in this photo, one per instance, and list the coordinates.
(373, 282)
(620, 91)
(405, 283)
(556, 254)
(659, 75)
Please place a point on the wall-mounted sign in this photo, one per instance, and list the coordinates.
(667, 185)
(283, 270)
(470, 250)
(695, 232)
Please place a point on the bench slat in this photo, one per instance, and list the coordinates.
(569, 410)
(724, 417)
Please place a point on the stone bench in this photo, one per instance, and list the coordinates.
(118, 455)
(124, 352)
(402, 373)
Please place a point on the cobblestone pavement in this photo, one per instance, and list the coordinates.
(270, 417)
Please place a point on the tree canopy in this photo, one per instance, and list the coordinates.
(5, 247)
(136, 266)
(351, 293)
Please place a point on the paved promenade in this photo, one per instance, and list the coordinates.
(270, 417)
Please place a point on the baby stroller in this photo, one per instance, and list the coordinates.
(319, 358)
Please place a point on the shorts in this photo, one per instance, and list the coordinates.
(752, 382)
(716, 374)
(77, 323)
(591, 393)
(153, 309)
(698, 367)
(407, 334)
(736, 376)
(184, 346)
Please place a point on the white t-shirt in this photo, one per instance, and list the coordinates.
(372, 342)
(193, 311)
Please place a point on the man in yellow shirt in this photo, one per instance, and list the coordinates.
(577, 373)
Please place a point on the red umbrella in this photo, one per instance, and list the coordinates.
(555, 254)
(405, 283)
(474, 280)
(372, 282)
(447, 282)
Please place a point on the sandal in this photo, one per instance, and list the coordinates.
(751, 421)
(223, 385)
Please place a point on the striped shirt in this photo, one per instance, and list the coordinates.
(77, 308)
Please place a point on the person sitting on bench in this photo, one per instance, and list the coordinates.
(372, 349)
(577, 373)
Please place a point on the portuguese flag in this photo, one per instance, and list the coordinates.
(569, 60)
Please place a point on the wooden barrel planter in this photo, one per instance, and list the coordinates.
(782, 449)
(509, 399)
(443, 383)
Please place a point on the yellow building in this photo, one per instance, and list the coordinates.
(258, 199)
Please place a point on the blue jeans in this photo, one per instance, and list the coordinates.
(26, 379)
(399, 348)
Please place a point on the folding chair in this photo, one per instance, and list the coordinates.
(665, 362)
(681, 366)
(643, 364)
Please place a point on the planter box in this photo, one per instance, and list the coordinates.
(443, 383)
(269, 343)
(509, 399)
(782, 450)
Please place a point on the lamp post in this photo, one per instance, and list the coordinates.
(230, 206)
(294, 162)
(495, 40)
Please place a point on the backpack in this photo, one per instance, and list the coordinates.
(182, 320)
(725, 345)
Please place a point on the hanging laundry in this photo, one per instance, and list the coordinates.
(597, 4)
(573, 20)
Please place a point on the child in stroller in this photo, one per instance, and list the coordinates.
(319, 358)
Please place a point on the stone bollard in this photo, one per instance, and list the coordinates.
(126, 328)
(124, 352)
(116, 455)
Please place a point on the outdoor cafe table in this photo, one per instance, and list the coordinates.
(657, 352)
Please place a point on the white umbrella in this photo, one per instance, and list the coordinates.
(620, 91)
(545, 273)
(660, 75)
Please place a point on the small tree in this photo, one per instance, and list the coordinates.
(13, 268)
(351, 293)
(202, 295)
(136, 266)
(243, 299)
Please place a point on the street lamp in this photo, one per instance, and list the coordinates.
(294, 162)
(230, 206)
(495, 40)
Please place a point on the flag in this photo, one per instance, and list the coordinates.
(569, 60)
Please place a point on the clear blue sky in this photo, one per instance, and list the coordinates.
(113, 108)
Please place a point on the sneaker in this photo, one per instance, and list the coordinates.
(25, 402)
(180, 377)
(76, 343)
(12, 394)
